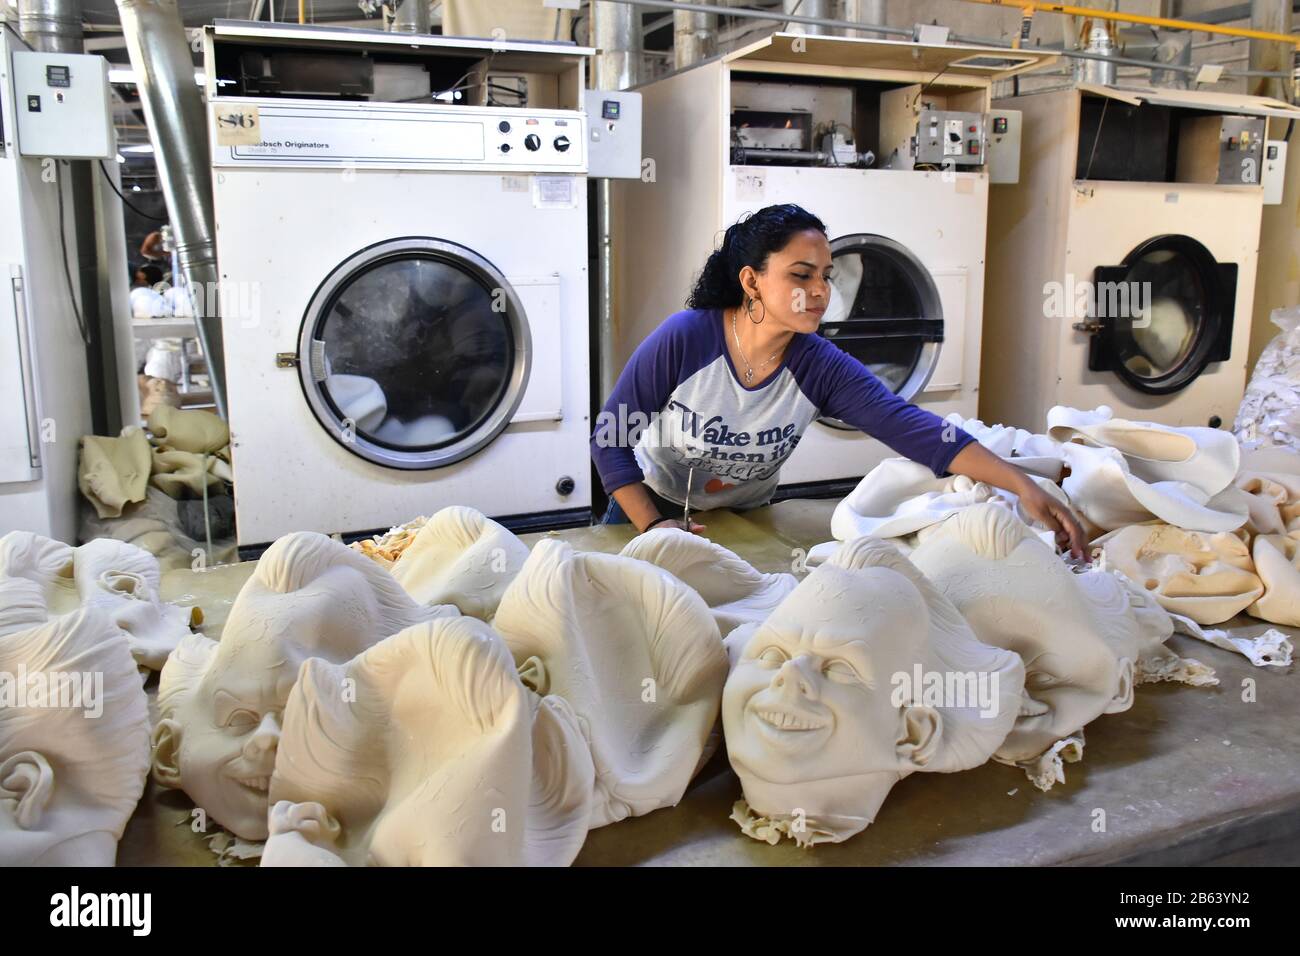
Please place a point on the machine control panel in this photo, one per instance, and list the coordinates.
(1241, 149)
(949, 138)
(614, 138)
(299, 133)
(1274, 176)
(63, 105)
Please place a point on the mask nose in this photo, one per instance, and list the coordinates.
(795, 678)
(265, 738)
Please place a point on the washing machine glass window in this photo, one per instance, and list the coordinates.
(1164, 315)
(414, 353)
(884, 311)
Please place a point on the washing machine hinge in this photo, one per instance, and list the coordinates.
(286, 359)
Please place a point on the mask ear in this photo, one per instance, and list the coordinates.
(166, 754)
(26, 779)
(1123, 698)
(919, 735)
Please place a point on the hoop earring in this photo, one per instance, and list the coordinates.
(749, 310)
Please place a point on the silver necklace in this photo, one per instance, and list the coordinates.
(749, 369)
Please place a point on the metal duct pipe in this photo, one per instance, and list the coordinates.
(1101, 69)
(810, 8)
(164, 70)
(616, 32)
(865, 11)
(1275, 17)
(411, 16)
(51, 26)
(695, 37)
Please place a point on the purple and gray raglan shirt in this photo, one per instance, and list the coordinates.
(680, 404)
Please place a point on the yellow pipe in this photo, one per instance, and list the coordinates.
(1138, 18)
(302, 11)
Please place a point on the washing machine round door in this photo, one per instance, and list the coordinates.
(884, 311)
(1163, 315)
(414, 353)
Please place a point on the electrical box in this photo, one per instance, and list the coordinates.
(1226, 150)
(1274, 176)
(947, 138)
(614, 137)
(1004, 146)
(63, 106)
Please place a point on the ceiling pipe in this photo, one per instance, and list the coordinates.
(164, 68)
(695, 37)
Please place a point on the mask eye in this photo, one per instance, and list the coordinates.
(840, 671)
(772, 657)
(242, 722)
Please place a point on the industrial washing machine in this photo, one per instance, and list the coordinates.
(893, 145)
(1122, 265)
(402, 244)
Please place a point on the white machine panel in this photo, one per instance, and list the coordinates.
(1274, 175)
(256, 133)
(63, 107)
(614, 121)
(541, 300)
(19, 441)
(952, 285)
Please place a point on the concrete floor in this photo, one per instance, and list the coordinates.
(1188, 776)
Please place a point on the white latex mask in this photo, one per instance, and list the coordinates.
(1017, 594)
(74, 738)
(821, 711)
(460, 557)
(634, 652)
(438, 756)
(734, 590)
(222, 704)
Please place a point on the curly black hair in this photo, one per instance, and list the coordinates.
(747, 242)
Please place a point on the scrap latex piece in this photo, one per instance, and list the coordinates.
(74, 721)
(1274, 501)
(154, 525)
(221, 705)
(842, 692)
(1277, 562)
(1270, 649)
(1036, 454)
(735, 591)
(1269, 416)
(114, 471)
(899, 497)
(1207, 577)
(1048, 768)
(1124, 472)
(384, 549)
(637, 656)
(1081, 636)
(183, 474)
(460, 557)
(1207, 458)
(195, 430)
(441, 757)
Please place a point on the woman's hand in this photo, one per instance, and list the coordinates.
(679, 524)
(1054, 515)
(978, 463)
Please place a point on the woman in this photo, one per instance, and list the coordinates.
(714, 401)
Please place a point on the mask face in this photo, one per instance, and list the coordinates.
(637, 656)
(864, 674)
(808, 700)
(1016, 594)
(443, 758)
